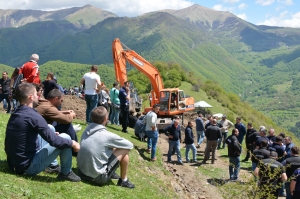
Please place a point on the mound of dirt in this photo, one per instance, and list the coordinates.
(76, 104)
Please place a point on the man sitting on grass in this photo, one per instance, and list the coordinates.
(102, 151)
(25, 125)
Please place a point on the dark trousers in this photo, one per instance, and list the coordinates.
(5, 96)
(68, 129)
(249, 151)
(296, 195)
(125, 116)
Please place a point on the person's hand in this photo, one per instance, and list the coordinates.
(75, 146)
(56, 133)
(153, 128)
(170, 136)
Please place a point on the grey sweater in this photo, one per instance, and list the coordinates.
(96, 147)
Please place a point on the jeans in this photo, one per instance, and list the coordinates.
(200, 137)
(253, 166)
(114, 117)
(234, 167)
(125, 116)
(47, 154)
(5, 96)
(69, 130)
(91, 103)
(222, 140)
(287, 190)
(187, 150)
(210, 145)
(152, 141)
(175, 144)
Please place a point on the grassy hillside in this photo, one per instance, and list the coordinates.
(141, 172)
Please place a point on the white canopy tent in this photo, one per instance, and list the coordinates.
(202, 104)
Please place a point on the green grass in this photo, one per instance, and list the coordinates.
(146, 175)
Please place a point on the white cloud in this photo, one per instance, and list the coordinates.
(242, 6)
(264, 2)
(285, 19)
(119, 7)
(243, 16)
(220, 7)
(231, 1)
(286, 2)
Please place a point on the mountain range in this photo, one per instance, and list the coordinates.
(259, 63)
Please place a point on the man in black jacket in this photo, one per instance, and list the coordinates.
(234, 151)
(249, 133)
(5, 88)
(189, 141)
(174, 134)
(212, 133)
(259, 154)
(292, 163)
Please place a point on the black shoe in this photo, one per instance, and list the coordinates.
(282, 195)
(124, 131)
(245, 160)
(53, 169)
(180, 162)
(126, 184)
(70, 176)
(115, 176)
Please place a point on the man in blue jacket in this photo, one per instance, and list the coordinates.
(174, 134)
(241, 128)
(25, 126)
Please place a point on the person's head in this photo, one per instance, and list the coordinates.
(295, 150)
(279, 139)
(271, 132)
(99, 115)
(199, 114)
(282, 135)
(94, 68)
(39, 89)
(176, 117)
(116, 84)
(264, 144)
(55, 97)
(126, 83)
(131, 112)
(155, 108)
(224, 117)
(26, 94)
(50, 76)
(238, 120)
(4, 75)
(190, 124)
(249, 125)
(214, 121)
(287, 140)
(209, 117)
(35, 57)
(273, 155)
(138, 115)
(263, 132)
(215, 117)
(235, 132)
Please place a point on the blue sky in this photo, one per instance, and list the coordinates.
(284, 13)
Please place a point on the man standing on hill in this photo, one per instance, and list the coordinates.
(25, 126)
(124, 96)
(200, 129)
(5, 88)
(242, 129)
(226, 124)
(92, 85)
(212, 133)
(249, 142)
(234, 151)
(30, 70)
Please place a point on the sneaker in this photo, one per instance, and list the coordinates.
(245, 160)
(115, 176)
(194, 161)
(124, 131)
(70, 176)
(126, 183)
(77, 128)
(180, 162)
(53, 169)
(153, 159)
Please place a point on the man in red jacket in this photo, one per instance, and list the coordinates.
(30, 70)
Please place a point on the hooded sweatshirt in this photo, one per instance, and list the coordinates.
(96, 147)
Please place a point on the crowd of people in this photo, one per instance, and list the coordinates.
(39, 125)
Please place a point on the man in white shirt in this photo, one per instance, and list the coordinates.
(151, 130)
(92, 85)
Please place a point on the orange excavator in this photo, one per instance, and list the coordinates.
(173, 101)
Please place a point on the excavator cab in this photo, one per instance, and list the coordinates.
(172, 101)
